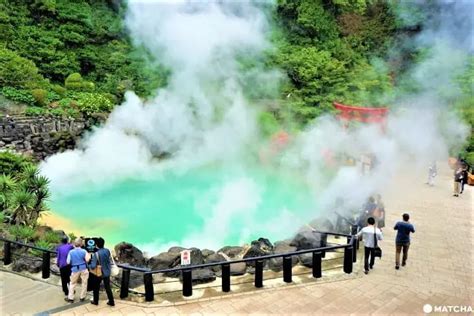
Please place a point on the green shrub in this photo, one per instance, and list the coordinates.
(72, 236)
(61, 91)
(41, 244)
(52, 238)
(74, 81)
(90, 103)
(13, 164)
(35, 111)
(40, 96)
(17, 71)
(23, 233)
(18, 95)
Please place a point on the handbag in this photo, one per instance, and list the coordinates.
(377, 249)
(97, 271)
(114, 270)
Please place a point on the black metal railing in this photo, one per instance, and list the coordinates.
(350, 256)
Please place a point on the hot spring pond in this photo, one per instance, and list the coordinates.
(201, 208)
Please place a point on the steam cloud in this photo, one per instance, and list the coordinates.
(203, 115)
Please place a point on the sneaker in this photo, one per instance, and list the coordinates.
(110, 304)
(371, 267)
(94, 303)
(397, 267)
(404, 264)
(68, 300)
(366, 271)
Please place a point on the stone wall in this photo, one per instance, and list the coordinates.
(39, 136)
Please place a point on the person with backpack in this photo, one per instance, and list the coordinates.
(78, 259)
(101, 267)
(402, 240)
(370, 235)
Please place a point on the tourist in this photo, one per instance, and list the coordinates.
(102, 258)
(402, 240)
(432, 172)
(379, 212)
(464, 177)
(458, 173)
(368, 234)
(61, 261)
(78, 259)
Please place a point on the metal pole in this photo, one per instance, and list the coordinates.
(258, 273)
(225, 278)
(317, 273)
(124, 285)
(187, 282)
(348, 259)
(7, 253)
(287, 269)
(149, 292)
(45, 265)
(354, 248)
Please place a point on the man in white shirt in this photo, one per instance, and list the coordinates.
(368, 233)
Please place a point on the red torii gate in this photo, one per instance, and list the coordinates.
(350, 113)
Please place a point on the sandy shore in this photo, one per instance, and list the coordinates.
(61, 223)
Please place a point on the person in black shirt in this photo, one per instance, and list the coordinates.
(464, 177)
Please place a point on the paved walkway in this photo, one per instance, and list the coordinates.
(439, 269)
(23, 296)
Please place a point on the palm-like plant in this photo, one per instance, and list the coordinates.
(7, 185)
(22, 203)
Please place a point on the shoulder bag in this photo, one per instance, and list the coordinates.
(97, 271)
(377, 250)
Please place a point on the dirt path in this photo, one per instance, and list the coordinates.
(439, 269)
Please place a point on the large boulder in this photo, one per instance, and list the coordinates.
(176, 249)
(307, 240)
(128, 253)
(306, 259)
(32, 265)
(238, 268)
(164, 260)
(206, 253)
(232, 251)
(215, 258)
(199, 276)
(276, 264)
(258, 248)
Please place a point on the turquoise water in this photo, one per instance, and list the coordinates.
(211, 206)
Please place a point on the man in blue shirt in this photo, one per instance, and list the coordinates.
(78, 259)
(403, 239)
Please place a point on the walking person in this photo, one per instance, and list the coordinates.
(457, 180)
(402, 240)
(464, 177)
(369, 233)
(78, 259)
(102, 259)
(61, 261)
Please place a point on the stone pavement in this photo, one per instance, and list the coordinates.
(438, 271)
(23, 296)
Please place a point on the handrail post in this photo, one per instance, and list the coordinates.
(317, 273)
(7, 253)
(149, 292)
(324, 243)
(348, 259)
(258, 273)
(45, 265)
(354, 248)
(125, 283)
(287, 269)
(225, 277)
(187, 282)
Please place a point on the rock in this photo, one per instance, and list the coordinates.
(232, 251)
(176, 249)
(258, 248)
(306, 259)
(61, 234)
(32, 265)
(164, 260)
(128, 253)
(306, 240)
(200, 276)
(238, 268)
(215, 258)
(276, 264)
(196, 256)
(206, 253)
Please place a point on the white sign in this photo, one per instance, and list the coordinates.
(185, 257)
